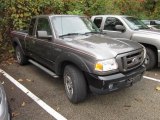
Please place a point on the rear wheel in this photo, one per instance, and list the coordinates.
(21, 58)
(75, 84)
(150, 58)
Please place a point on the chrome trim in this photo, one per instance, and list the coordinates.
(44, 69)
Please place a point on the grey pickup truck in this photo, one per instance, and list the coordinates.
(74, 48)
(120, 26)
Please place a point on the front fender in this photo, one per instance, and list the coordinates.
(72, 59)
(153, 40)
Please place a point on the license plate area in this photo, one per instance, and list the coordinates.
(134, 79)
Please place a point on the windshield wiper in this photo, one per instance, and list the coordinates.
(80, 33)
(141, 28)
(69, 34)
(92, 32)
(137, 29)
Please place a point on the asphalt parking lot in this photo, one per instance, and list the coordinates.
(139, 102)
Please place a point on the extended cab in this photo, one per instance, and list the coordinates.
(120, 26)
(74, 48)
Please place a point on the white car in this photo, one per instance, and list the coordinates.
(4, 112)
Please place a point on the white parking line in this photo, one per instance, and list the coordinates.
(46, 107)
(153, 79)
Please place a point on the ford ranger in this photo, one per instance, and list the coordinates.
(131, 28)
(74, 48)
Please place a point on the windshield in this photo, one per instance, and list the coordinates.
(135, 24)
(146, 22)
(65, 25)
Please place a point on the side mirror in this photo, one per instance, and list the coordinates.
(120, 28)
(43, 35)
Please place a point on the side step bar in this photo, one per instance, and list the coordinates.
(43, 68)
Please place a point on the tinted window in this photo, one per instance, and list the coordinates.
(111, 22)
(31, 26)
(97, 21)
(43, 25)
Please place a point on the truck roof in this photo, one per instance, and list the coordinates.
(111, 16)
(52, 15)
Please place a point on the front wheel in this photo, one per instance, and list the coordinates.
(75, 84)
(150, 58)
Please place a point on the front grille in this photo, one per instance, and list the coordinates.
(131, 60)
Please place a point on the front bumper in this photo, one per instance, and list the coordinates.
(106, 84)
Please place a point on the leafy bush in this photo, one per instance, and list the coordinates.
(17, 13)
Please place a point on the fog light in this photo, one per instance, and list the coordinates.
(110, 86)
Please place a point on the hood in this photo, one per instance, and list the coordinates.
(148, 31)
(101, 46)
(150, 36)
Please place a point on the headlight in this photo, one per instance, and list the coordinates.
(106, 65)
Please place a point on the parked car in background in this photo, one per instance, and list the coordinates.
(131, 28)
(4, 112)
(153, 24)
(74, 48)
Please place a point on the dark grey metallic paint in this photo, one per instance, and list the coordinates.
(81, 50)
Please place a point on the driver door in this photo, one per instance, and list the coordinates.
(43, 46)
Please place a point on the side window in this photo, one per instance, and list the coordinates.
(97, 21)
(111, 22)
(43, 25)
(31, 26)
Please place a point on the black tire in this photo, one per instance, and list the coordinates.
(21, 58)
(75, 84)
(151, 59)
